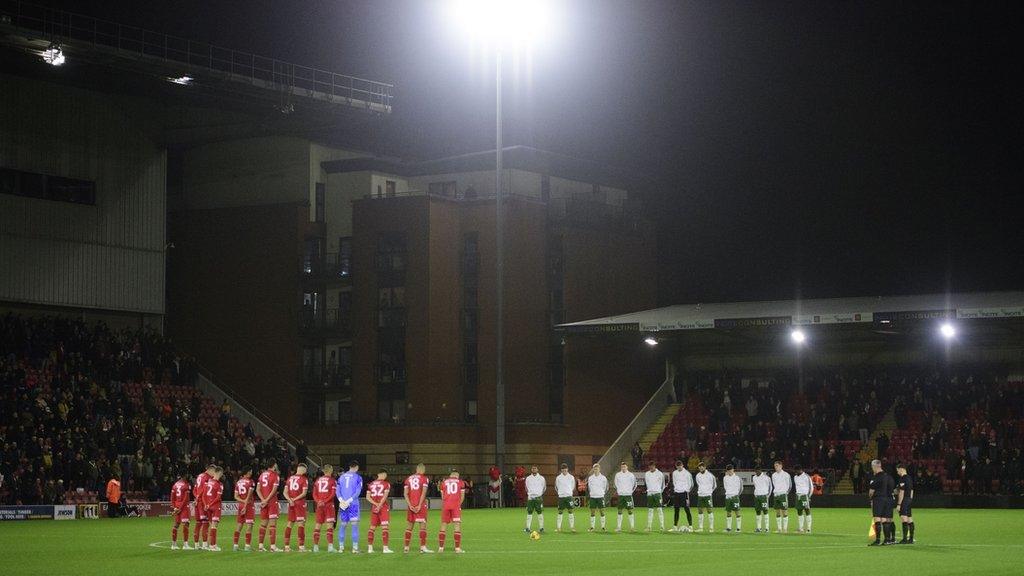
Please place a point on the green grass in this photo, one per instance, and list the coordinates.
(950, 542)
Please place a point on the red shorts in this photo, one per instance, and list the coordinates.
(325, 512)
(183, 515)
(246, 513)
(420, 516)
(213, 513)
(449, 515)
(270, 510)
(297, 511)
(381, 518)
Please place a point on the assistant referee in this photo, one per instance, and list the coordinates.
(880, 492)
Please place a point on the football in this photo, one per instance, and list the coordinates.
(534, 535)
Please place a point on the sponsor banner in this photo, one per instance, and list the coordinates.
(63, 512)
(853, 317)
(761, 322)
(887, 317)
(594, 328)
(89, 511)
(140, 509)
(681, 325)
(26, 512)
(1010, 312)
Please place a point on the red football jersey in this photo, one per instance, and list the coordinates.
(197, 486)
(213, 492)
(267, 486)
(451, 492)
(295, 486)
(243, 488)
(323, 489)
(416, 486)
(379, 489)
(180, 494)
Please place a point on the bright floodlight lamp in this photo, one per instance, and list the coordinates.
(947, 330)
(798, 336)
(506, 23)
(54, 55)
(651, 341)
(183, 80)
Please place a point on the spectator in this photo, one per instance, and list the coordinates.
(113, 497)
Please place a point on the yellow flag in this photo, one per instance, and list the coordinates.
(871, 532)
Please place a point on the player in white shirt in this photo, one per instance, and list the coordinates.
(682, 483)
(762, 493)
(782, 483)
(625, 485)
(565, 486)
(733, 485)
(654, 479)
(706, 485)
(803, 487)
(535, 487)
(597, 487)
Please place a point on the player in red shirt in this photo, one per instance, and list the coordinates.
(246, 508)
(416, 505)
(377, 494)
(212, 495)
(453, 492)
(200, 507)
(295, 490)
(266, 490)
(323, 496)
(180, 496)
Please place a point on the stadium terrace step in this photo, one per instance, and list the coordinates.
(656, 429)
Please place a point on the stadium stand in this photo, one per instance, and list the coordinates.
(82, 403)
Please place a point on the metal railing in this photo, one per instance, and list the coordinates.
(329, 375)
(644, 419)
(330, 265)
(68, 27)
(326, 319)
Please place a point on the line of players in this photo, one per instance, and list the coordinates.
(769, 491)
(206, 493)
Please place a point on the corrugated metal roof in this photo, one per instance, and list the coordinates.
(815, 311)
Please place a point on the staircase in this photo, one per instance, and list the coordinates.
(870, 450)
(652, 433)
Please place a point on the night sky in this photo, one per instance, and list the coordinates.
(796, 149)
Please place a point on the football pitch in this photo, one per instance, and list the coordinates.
(949, 542)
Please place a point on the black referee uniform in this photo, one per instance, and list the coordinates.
(905, 485)
(881, 487)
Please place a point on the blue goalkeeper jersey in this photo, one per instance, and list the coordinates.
(350, 486)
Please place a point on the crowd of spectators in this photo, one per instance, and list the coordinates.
(83, 403)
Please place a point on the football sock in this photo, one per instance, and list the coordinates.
(529, 520)
(689, 517)
(330, 533)
(675, 517)
(778, 523)
(287, 535)
(206, 532)
(174, 535)
(458, 539)
(273, 534)
(711, 521)
(407, 538)
(423, 535)
(650, 517)
(213, 535)
(440, 540)
(661, 517)
(603, 522)
(632, 522)
(263, 534)
(800, 522)
(302, 535)
(785, 523)
(248, 536)
(903, 530)
(384, 537)
(878, 531)
(700, 521)
(558, 521)
(738, 520)
(235, 538)
(316, 536)
(369, 537)
(195, 536)
(728, 522)
(184, 533)
(572, 521)
(618, 522)
(540, 521)
(341, 535)
(911, 525)
(808, 522)
(355, 535)
(592, 520)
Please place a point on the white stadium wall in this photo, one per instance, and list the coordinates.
(106, 256)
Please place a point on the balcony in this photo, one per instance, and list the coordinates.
(330, 266)
(329, 376)
(335, 322)
(595, 214)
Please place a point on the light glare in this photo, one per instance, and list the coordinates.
(506, 23)
(53, 56)
(182, 80)
(947, 330)
(651, 341)
(798, 336)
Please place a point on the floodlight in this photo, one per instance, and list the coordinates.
(947, 330)
(53, 55)
(798, 336)
(651, 341)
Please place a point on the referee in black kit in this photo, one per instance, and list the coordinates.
(881, 488)
(904, 501)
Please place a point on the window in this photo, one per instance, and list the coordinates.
(448, 189)
(321, 200)
(391, 254)
(345, 256)
(389, 188)
(311, 255)
(45, 187)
